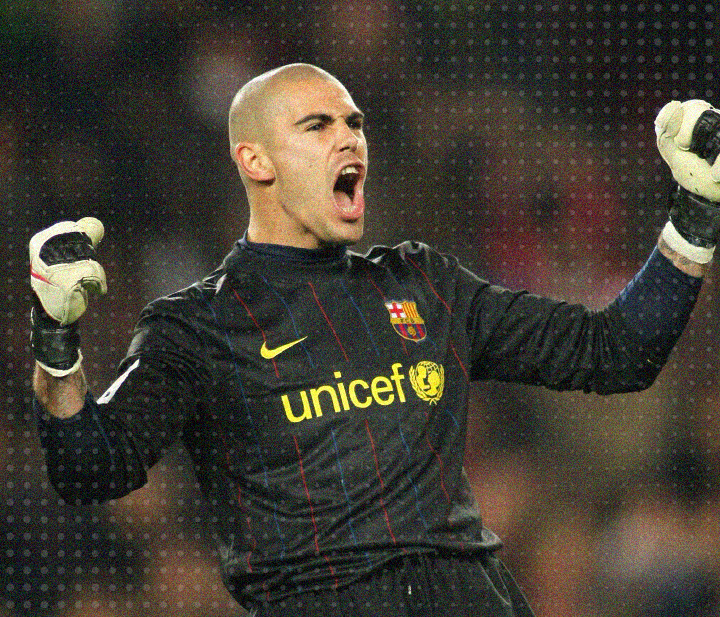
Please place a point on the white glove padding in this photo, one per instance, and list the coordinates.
(63, 269)
(674, 127)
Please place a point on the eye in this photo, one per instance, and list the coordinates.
(316, 127)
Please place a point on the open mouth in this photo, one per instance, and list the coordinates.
(347, 196)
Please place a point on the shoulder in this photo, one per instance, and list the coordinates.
(412, 253)
(188, 298)
(184, 315)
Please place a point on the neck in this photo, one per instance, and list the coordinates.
(277, 228)
(293, 253)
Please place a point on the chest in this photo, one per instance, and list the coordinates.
(310, 328)
(308, 359)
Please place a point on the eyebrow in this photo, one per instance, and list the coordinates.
(327, 118)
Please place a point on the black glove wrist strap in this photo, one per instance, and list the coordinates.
(696, 219)
(53, 345)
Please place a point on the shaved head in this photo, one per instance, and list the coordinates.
(297, 139)
(249, 111)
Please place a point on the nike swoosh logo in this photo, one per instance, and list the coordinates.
(269, 354)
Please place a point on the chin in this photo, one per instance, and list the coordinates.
(355, 235)
(346, 237)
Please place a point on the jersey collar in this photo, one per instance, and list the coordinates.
(293, 253)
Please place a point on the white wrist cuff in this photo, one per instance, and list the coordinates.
(55, 372)
(677, 243)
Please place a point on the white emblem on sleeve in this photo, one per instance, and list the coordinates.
(110, 392)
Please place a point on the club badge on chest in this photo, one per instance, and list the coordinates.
(406, 320)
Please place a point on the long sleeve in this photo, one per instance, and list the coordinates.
(517, 336)
(105, 450)
(86, 461)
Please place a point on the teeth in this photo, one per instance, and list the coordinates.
(350, 169)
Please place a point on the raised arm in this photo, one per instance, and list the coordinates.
(536, 340)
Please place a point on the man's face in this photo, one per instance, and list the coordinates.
(319, 154)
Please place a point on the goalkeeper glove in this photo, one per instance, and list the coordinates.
(688, 138)
(63, 269)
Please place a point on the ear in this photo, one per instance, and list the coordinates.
(253, 162)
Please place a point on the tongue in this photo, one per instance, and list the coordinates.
(343, 201)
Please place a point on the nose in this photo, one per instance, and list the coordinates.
(348, 140)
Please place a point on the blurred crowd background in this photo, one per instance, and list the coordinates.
(517, 136)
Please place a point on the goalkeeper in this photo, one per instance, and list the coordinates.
(322, 394)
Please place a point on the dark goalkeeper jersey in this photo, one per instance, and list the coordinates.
(322, 397)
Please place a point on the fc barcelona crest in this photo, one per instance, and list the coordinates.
(406, 320)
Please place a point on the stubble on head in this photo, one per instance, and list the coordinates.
(251, 111)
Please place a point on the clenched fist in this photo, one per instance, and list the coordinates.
(63, 270)
(688, 138)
